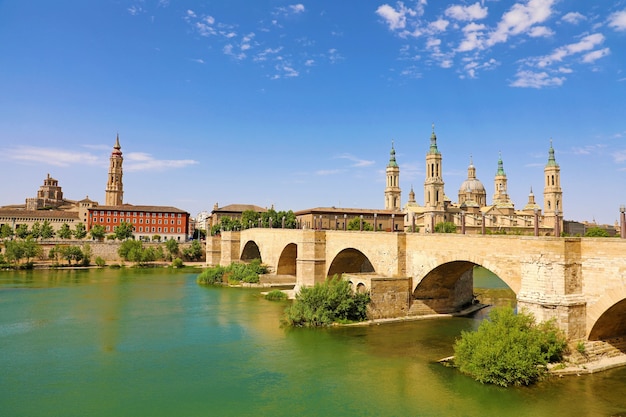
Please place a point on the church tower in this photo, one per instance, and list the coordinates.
(552, 193)
(392, 190)
(433, 186)
(501, 197)
(115, 189)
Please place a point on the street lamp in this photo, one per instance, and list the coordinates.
(557, 224)
(345, 222)
(336, 223)
(375, 224)
(393, 222)
(361, 224)
(622, 210)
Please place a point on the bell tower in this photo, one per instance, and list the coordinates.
(433, 185)
(115, 189)
(392, 190)
(552, 192)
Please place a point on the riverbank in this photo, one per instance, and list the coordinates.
(591, 367)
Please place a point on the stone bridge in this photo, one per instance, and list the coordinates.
(581, 282)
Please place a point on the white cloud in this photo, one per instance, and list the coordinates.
(618, 20)
(540, 32)
(536, 80)
(587, 43)
(139, 161)
(619, 156)
(297, 8)
(329, 172)
(595, 55)
(520, 19)
(198, 60)
(439, 25)
(573, 17)
(473, 38)
(473, 12)
(357, 162)
(397, 17)
(51, 156)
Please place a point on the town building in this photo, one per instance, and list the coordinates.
(232, 212)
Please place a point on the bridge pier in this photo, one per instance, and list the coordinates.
(552, 286)
(311, 260)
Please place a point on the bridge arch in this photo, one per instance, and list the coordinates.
(287, 260)
(606, 319)
(350, 260)
(250, 252)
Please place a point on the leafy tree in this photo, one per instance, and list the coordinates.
(123, 231)
(131, 250)
(509, 349)
(156, 238)
(199, 234)
(80, 231)
(35, 230)
(355, 224)
(47, 232)
(65, 232)
(22, 231)
(596, 232)
(171, 246)
(6, 231)
(97, 232)
(326, 303)
(267, 215)
(290, 219)
(445, 227)
(71, 253)
(193, 252)
(250, 218)
(14, 251)
(86, 254)
(31, 249)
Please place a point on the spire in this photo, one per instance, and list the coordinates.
(392, 157)
(433, 142)
(500, 166)
(471, 170)
(117, 142)
(551, 159)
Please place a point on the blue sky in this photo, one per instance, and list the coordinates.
(296, 104)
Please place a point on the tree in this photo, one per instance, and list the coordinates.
(86, 254)
(80, 231)
(6, 231)
(445, 227)
(47, 231)
(14, 251)
(596, 232)
(171, 246)
(509, 349)
(31, 249)
(35, 230)
(194, 252)
(355, 224)
(123, 231)
(250, 218)
(71, 253)
(131, 250)
(290, 219)
(97, 232)
(65, 232)
(327, 303)
(22, 231)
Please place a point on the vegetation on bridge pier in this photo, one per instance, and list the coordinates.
(326, 303)
(509, 349)
(233, 273)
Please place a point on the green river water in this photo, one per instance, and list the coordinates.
(154, 343)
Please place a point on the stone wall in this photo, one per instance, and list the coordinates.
(390, 297)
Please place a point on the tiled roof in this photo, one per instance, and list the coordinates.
(239, 208)
(130, 207)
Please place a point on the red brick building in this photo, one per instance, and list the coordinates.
(147, 221)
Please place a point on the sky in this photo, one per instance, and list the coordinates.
(297, 104)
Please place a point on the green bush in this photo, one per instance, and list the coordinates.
(211, 276)
(509, 349)
(327, 303)
(178, 263)
(100, 262)
(276, 295)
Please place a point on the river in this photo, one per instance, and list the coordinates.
(152, 342)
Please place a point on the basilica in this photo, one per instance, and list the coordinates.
(472, 213)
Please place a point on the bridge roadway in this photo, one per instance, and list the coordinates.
(581, 282)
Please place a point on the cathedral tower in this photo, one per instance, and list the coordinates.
(392, 190)
(501, 197)
(115, 189)
(552, 193)
(433, 186)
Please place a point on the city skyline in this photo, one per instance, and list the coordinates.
(296, 104)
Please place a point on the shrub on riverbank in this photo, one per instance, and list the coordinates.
(509, 349)
(235, 273)
(276, 295)
(327, 303)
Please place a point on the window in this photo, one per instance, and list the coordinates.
(179, 230)
(159, 221)
(140, 221)
(141, 214)
(141, 228)
(115, 213)
(101, 220)
(115, 220)
(108, 212)
(153, 230)
(166, 214)
(160, 214)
